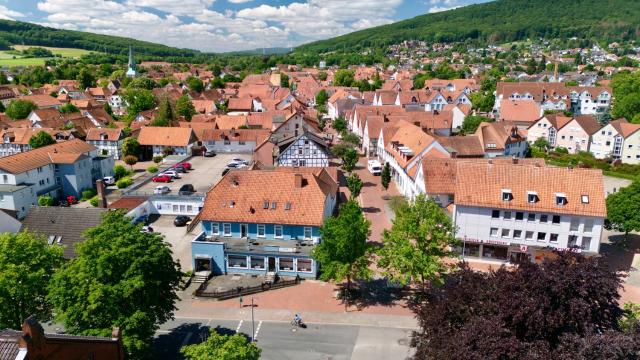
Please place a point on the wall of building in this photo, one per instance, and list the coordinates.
(289, 232)
(231, 146)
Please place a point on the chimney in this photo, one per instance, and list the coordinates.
(102, 196)
(298, 181)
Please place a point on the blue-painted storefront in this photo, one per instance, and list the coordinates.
(278, 257)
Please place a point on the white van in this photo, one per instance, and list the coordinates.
(374, 167)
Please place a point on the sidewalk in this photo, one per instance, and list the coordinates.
(314, 300)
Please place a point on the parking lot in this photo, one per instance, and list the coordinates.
(205, 172)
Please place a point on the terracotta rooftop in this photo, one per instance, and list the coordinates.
(241, 195)
(95, 134)
(165, 136)
(29, 160)
(481, 184)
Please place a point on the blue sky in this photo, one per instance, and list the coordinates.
(221, 25)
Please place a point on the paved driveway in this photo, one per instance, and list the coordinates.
(205, 172)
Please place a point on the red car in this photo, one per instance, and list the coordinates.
(162, 178)
(184, 164)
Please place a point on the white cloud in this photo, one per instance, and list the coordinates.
(192, 24)
(8, 14)
(436, 9)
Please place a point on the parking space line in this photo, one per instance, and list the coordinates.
(255, 336)
(239, 326)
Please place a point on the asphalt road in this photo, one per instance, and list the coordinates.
(280, 341)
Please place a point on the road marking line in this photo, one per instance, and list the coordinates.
(239, 325)
(255, 336)
(186, 339)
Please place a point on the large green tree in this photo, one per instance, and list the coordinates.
(184, 107)
(20, 109)
(623, 209)
(354, 184)
(41, 139)
(165, 115)
(321, 97)
(138, 100)
(222, 347)
(385, 176)
(349, 160)
(86, 78)
(344, 252)
(419, 242)
(121, 277)
(130, 146)
(195, 84)
(343, 77)
(471, 123)
(27, 264)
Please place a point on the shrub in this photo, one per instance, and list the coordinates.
(88, 194)
(152, 169)
(94, 201)
(124, 182)
(120, 171)
(45, 200)
(157, 159)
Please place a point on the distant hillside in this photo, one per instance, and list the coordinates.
(18, 33)
(503, 21)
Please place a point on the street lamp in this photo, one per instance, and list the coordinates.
(253, 325)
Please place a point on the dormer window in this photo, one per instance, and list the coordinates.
(585, 199)
(265, 205)
(287, 206)
(232, 204)
(532, 197)
(561, 199)
(274, 205)
(507, 195)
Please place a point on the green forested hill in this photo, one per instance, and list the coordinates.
(503, 21)
(17, 33)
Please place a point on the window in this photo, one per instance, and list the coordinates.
(495, 214)
(555, 219)
(286, 264)
(241, 142)
(519, 216)
(573, 241)
(257, 262)
(588, 225)
(305, 265)
(237, 261)
(532, 196)
(277, 231)
(265, 205)
(506, 195)
(287, 206)
(575, 224)
(531, 217)
(585, 198)
(544, 218)
(226, 229)
(307, 233)
(215, 230)
(517, 234)
(586, 243)
(261, 232)
(507, 215)
(493, 232)
(495, 252)
(506, 233)
(553, 237)
(542, 236)
(561, 199)
(274, 205)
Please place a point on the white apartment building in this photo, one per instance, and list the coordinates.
(515, 213)
(617, 140)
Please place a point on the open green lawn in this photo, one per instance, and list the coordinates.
(64, 52)
(4, 61)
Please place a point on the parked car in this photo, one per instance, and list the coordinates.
(179, 169)
(181, 220)
(146, 229)
(225, 171)
(174, 174)
(162, 189)
(209, 153)
(109, 180)
(161, 178)
(184, 164)
(186, 189)
(236, 165)
(240, 161)
(374, 167)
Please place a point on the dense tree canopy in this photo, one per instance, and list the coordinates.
(623, 209)
(138, 100)
(27, 264)
(565, 308)
(20, 109)
(121, 277)
(41, 139)
(184, 107)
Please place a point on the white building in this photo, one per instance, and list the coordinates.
(617, 140)
(108, 141)
(509, 212)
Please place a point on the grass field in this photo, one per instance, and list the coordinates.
(64, 52)
(21, 61)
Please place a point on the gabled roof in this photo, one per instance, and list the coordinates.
(165, 136)
(519, 110)
(95, 134)
(29, 160)
(624, 128)
(240, 196)
(66, 222)
(481, 184)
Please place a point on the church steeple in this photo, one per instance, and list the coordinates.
(131, 67)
